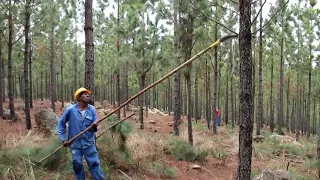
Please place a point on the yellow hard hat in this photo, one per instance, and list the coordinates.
(80, 90)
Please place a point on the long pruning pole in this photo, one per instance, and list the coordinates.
(114, 125)
(215, 44)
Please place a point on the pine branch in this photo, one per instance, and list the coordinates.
(6, 7)
(17, 39)
(234, 1)
(274, 15)
(212, 19)
(224, 8)
(255, 18)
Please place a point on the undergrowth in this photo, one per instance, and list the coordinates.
(181, 149)
(22, 163)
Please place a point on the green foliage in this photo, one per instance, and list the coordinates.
(292, 149)
(21, 158)
(199, 126)
(254, 172)
(122, 130)
(181, 149)
(165, 171)
(220, 154)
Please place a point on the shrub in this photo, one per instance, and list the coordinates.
(182, 150)
(165, 171)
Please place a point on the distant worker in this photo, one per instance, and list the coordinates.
(80, 116)
(217, 117)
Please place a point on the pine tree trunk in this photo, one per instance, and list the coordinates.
(271, 96)
(215, 83)
(318, 150)
(189, 107)
(61, 80)
(141, 99)
(233, 116)
(26, 65)
(41, 86)
(196, 98)
(260, 99)
(280, 114)
(176, 96)
(246, 106)
(10, 76)
(30, 76)
(309, 93)
(169, 96)
(89, 49)
(75, 63)
(314, 119)
(226, 107)
(1, 78)
(288, 104)
(53, 84)
(2, 81)
(118, 69)
(208, 95)
(293, 116)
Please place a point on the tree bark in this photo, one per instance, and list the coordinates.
(288, 103)
(271, 96)
(1, 77)
(176, 96)
(10, 76)
(30, 76)
(260, 100)
(141, 99)
(53, 83)
(26, 64)
(89, 49)
(208, 95)
(246, 106)
(61, 79)
(196, 98)
(215, 82)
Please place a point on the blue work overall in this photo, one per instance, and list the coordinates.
(83, 145)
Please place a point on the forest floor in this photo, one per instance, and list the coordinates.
(150, 155)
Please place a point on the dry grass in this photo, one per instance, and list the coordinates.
(143, 146)
(31, 140)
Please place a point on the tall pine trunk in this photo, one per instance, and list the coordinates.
(176, 96)
(89, 49)
(53, 83)
(118, 69)
(30, 76)
(26, 65)
(271, 96)
(288, 103)
(10, 76)
(197, 114)
(1, 78)
(246, 106)
(208, 95)
(260, 99)
(141, 99)
(215, 81)
(61, 79)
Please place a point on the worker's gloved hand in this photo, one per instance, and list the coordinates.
(65, 143)
(94, 124)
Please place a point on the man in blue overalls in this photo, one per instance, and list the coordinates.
(80, 116)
